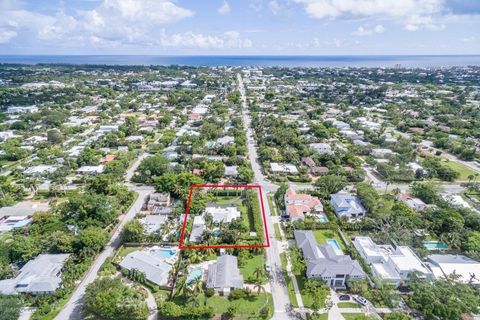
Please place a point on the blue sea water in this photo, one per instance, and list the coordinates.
(412, 61)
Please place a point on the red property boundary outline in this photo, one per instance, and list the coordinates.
(224, 186)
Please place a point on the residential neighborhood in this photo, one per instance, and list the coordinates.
(239, 192)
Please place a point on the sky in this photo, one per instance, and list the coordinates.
(240, 27)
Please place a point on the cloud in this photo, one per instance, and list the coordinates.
(227, 40)
(274, 7)
(365, 31)
(6, 35)
(111, 21)
(224, 9)
(414, 14)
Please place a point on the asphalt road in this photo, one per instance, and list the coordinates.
(277, 281)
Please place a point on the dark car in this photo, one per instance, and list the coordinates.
(344, 297)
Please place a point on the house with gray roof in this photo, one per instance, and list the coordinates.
(224, 275)
(325, 263)
(41, 275)
(197, 229)
(347, 205)
(155, 267)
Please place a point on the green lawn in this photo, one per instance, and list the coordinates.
(348, 305)
(460, 168)
(323, 316)
(277, 231)
(323, 235)
(352, 316)
(126, 250)
(270, 205)
(291, 290)
(248, 268)
(247, 307)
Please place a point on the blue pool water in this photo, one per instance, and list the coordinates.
(216, 232)
(165, 253)
(435, 245)
(322, 219)
(194, 274)
(334, 244)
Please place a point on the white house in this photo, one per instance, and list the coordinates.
(391, 263)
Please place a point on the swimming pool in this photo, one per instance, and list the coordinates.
(322, 219)
(194, 274)
(435, 245)
(334, 244)
(165, 253)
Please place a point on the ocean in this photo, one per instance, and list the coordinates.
(410, 61)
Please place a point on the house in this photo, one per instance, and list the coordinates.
(225, 141)
(222, 214)
(347, 205)
(91, 170)
(28, 109)
(155, 267)
(41, 275)
(231, 171)
(5, 135)
(13, 222)
(351, 134)
(412, 202)
(283, 168)
(308, 161)
(320, 171)
(153, 222)
(321, 148)
(381, 153)
(297, 205)
(158, 200)
(340, 125)
(41, 169)
(108, 158)
(224, 275)
(360, 143)
(24, 209)
(105, 129)
(391, 262)
(325, 263)
(466, 269)
(197, 229)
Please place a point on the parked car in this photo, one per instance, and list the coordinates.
(268, 268)
(344, 297)
(360, 300)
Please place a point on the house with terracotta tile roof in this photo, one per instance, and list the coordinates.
(297, 205)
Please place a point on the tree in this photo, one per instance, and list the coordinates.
(329, 184)
(10, 307)
(24, 248)
(443, 298)
(396, 315)
(133, 231)
(54, 136)
(473, 241)
(110, 299)
(90, 241)
(428, 192)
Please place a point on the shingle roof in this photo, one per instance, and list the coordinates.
(224, 273)
(155, 268)
(322, 259)
(39, 275)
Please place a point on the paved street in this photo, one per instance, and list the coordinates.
(73, 308)
(277, 282)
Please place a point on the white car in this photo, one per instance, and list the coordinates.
(361, 300)
(268, 268)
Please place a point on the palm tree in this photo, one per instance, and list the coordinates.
(259, 273)
(258, 286)
(193, 301)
